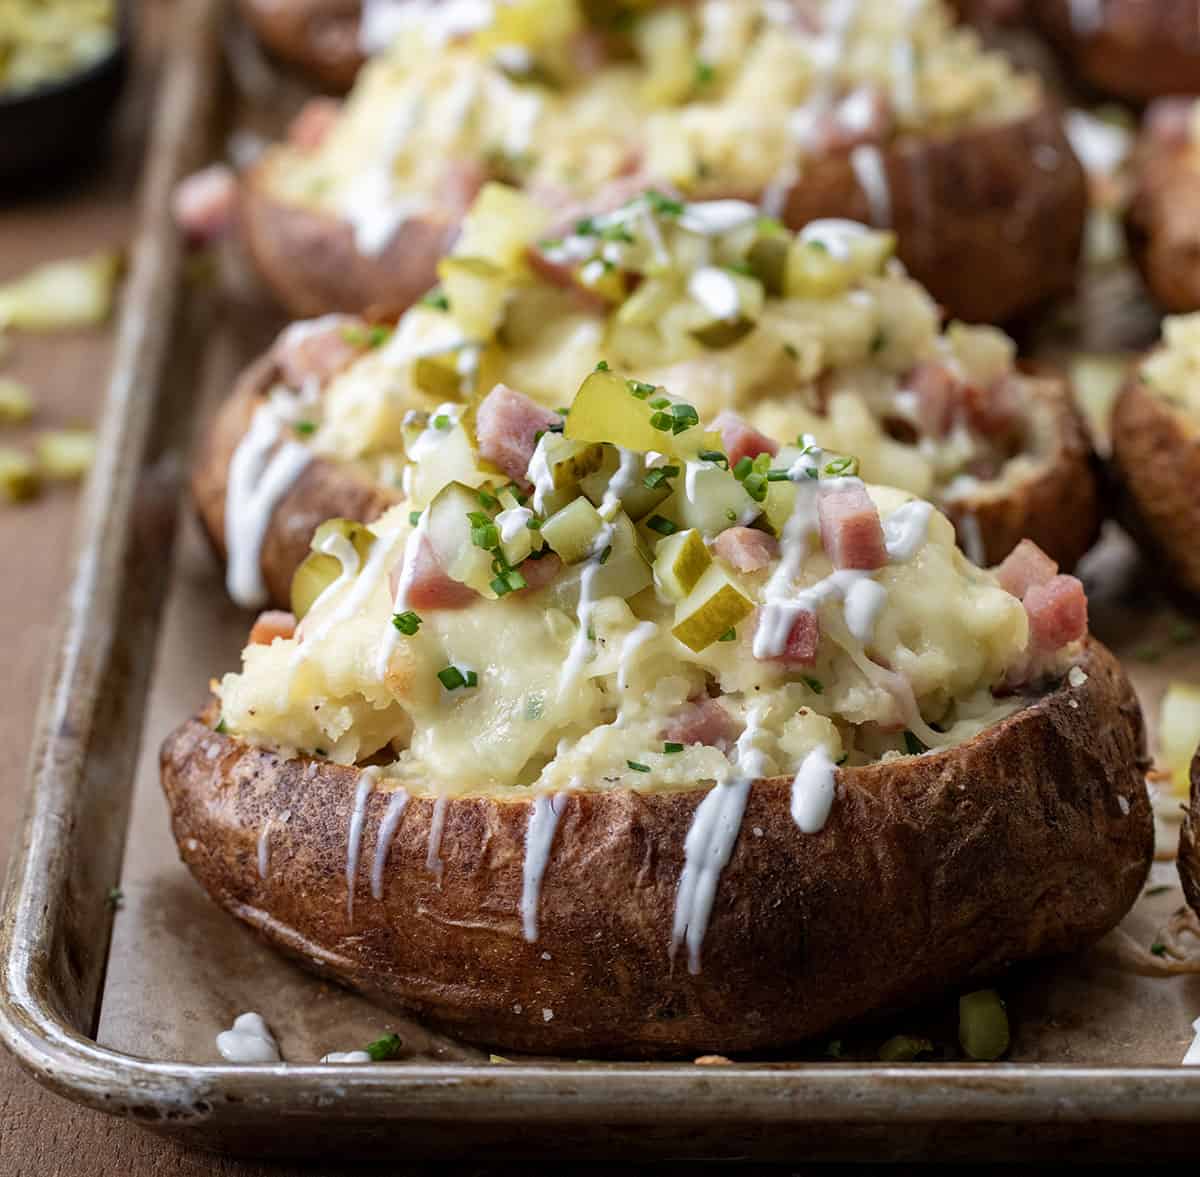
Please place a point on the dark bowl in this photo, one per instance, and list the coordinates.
(63, 123)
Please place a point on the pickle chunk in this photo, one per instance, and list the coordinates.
(679, 562)
(320, 569)
(712, 608)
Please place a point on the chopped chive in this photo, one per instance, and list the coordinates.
(790, 350)
(685, 417)
(472, 679)
(663, 205)
(661, 402)
(115, 898)
(602, 366)
(451, 678)
(841, 466)
(487, 500)
(221, 727)
(533, 523)
(656, 477)
(604, 555)
(441, 421)
(484, 533)
(913, 746)
(705, 73)
(742, 467)
(672, 748)
(662, 421)
(384, 1048)
(639, 389)
(414, 517)
(304, 428)
(661, 525)
(714, 456)
(437, 299)
(814, 684)
(586, 227)
(633, 764)
(407, 622)
(844, 757)
(730, 635)
(777, 476)
(1158, 949)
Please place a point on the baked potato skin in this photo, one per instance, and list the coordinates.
(319, 37)
(1189, 842)
(325, 489)
(1163, 223)
(1140, 49)
(1060, 508)
(930, 872)
(1156, 459)
(989, 229)
(312, 265)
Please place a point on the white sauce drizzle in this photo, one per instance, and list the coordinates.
(621, 482)
(709, 845)
(249, 1041)
(346, 1056)
(712, 218)
(869, 171)
(834, 233)
(408, 571)
(540, 474)
(716, 291)
(383, 839)
(366, 785)
(972, 538)
(906, 529)
(813, 790)
(539, 835)
(437, 823)
(642, 633)
(512, 522)
(1192, 1058)
(524, 110)
(264, 848)
(439, 21)
(258, 479)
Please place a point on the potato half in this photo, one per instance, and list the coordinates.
(1033, 838)
(318, 37)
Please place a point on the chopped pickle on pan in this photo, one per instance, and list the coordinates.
(814, 272)
(648, 303)
(571, 533)
(768, 261)
(714, 606)
(18, 475)
(437, 374)
(623, 570)
(478, 290)
(717, 501)
(637, 499)
(66, 453)
(730, 305)
(679, 562)
(982, 1025)
(664, 40)
(320, 569)
(570, 461)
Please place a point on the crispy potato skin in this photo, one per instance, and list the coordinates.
(987, 227)
(1189, 842)
(1140, 49)
(990, 220)
(1156, 458)
(325, 489)
(1163, 223)
(310, 260)
(930, 872)
(319, 37)
(1059, 507)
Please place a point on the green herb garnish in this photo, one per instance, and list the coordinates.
(912, 744)
(452, 678)
(705, 73)
(633, 764)
(661, 525)
(672, 748)
(437, 299)
(414, 517)
(305, 428)
(656, 477)
(407, 622)
(1158, 949)
(730, 635)
(639, 388)
(814, 684)
(115, 899)
(384, 1048)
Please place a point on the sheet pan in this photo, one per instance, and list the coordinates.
(117, 1007)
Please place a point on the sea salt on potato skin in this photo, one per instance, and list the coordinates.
(1038, 829)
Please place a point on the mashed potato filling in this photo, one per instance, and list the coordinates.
(690, 94)
(826, 335)
(619, 618)
(1172, 371)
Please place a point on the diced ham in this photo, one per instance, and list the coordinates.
(745, 549)
(461, 181)
(316, 350)
(506, 427)
(1058, 613)
(803, 640)
(933, 385)
(539, 573)
(205, 203)
(1168, 121)
(701, 721)
(307, 131)
(587, 51)
(1023, 568)
(428, 586)
(992, 410)
(272, 624)
(851, 532)
(742, 440)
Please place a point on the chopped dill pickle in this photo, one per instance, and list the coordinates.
(624, 571)
(452, 532)
(320, 569)
(605, 410)
(982, 1025)
(477, 290)
(715, 605)
(571, 533)
(637, 499)
(569, 461)
(768, 258)
(679, 562)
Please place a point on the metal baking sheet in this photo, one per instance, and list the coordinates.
(118, 1009)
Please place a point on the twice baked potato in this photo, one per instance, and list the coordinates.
(818, 332)
(319, 37)
(1156, 452)
(1189, 842)
(611, 747)
(886, 113)
(1131, 49)
(1163, 220)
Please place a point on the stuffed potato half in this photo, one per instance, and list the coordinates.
(882, 112)
(773, 333)
(1156, 452)
(563, 781)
